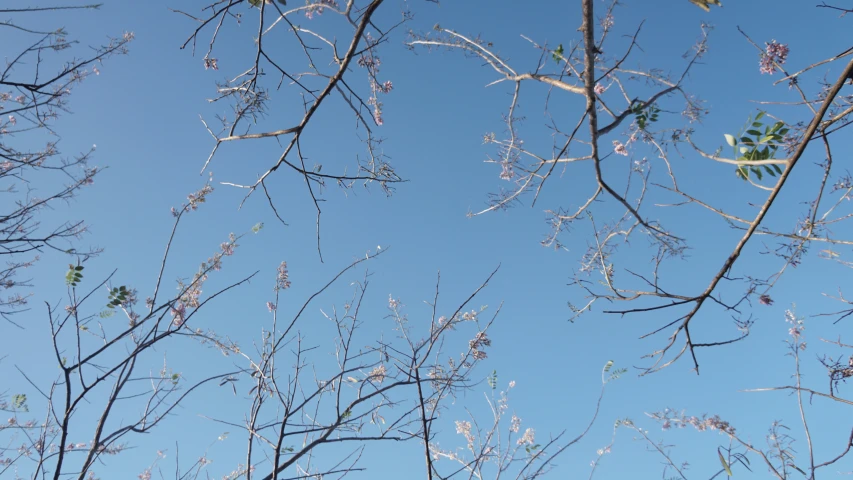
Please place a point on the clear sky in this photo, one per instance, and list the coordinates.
(142, 112)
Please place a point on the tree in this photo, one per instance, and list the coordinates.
(250, 97)
(390, 390)
(34, 175)
(309, 404)
(585, 73)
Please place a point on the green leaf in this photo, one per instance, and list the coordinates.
(493, 380)
(723, 461)
(19, 402)
(759, 115)
(558, 53)
(258, 226)
(730, 139)
(754, 133)
(778, 170)
(73, 276)
(608, 365)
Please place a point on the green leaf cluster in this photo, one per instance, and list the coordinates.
(557, 54)
(757, 141)
(532, 448)
(117, 296)
(493, 380)
(19, 402)
(645, 114)
(614, 373)
(73, 276)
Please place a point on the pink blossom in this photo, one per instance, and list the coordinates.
(506, 171)
(318, 8)
(271, 306)
(96, 71)
(283, 278)
(765, 300)
(619, 148)
(599, 89)
(378, 373)
(528, 438)
(775, 54)
(13, 120)
(514, 424)
(179, 311)
(210, 63)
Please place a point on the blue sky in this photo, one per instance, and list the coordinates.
(143, 111)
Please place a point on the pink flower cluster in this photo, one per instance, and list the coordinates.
(528, 438)
(464, 428)
(282, 278)
(317, 8)
(371, 62)
(191, 293)
(210, 63)
(194, 200)
(671, 419)
(477, 345)
(775, 54)
(619, 148)
(797, 326)
(506, 171)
